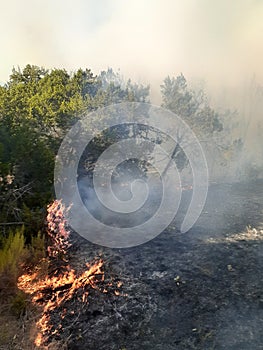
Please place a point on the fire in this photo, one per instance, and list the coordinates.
(54, 291)
(38, 340)
(56, 229)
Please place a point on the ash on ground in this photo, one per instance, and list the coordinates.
(199, 290)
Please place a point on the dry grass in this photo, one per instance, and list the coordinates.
(251, 234)
(19, 333)
(16, 333)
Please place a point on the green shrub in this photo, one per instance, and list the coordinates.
(12, 253)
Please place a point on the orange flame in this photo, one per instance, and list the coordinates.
(56, 228)
(52, 292)
(60, 289)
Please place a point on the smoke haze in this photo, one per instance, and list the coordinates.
(217, 45)
(219, 42)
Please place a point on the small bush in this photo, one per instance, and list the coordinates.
(12, 253)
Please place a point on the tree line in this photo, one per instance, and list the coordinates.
(37, 108)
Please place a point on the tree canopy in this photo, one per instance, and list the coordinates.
(37, 108)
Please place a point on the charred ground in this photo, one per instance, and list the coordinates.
(199, 290)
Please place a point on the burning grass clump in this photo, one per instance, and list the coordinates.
(62, 294)
(66, 294)
(57, 231)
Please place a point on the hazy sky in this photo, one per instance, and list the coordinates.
(220, 41)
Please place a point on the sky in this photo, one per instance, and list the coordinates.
(218, 43)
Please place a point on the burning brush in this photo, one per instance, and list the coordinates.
(56, 229)
(54, 293)
(63, 296)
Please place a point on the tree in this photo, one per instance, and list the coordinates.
(37, 108)
(213, 129)
(191, 106)
(116, 89)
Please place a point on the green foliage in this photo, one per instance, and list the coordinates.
(19, 303)
(37, 108)
(118, 90)
(37, 248)
(15, 255)
(191, 106)
(215, 130)
(12, 253)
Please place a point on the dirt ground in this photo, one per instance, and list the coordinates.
(198, 290)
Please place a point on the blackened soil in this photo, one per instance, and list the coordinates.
(198, 290)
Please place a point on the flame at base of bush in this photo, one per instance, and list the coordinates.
(63, 296)
(53, 293)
